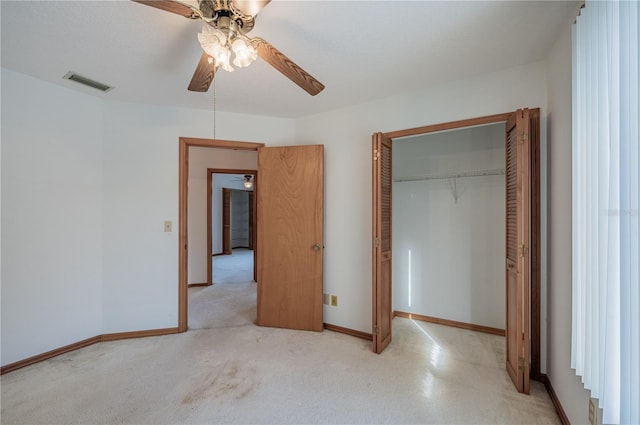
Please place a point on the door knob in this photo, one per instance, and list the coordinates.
(316, 247)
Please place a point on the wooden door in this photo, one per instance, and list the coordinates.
(518, 268)
(382, 183)
(289, 221)
(226, 221)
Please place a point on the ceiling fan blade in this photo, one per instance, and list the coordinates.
(287, 67)
(203, 75)
(172, 6)
(250, 7)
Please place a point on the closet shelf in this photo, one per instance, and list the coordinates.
(478, 173)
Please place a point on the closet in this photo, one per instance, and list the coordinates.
(448, 226)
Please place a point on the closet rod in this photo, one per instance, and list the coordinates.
(479, 173)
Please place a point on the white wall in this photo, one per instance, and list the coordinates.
(448, 253)
(346, 134)
(141, 191)
(52, 141)
(573, 397)
(199, 160)
(86, 187)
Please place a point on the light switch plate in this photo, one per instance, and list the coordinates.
(168, 226)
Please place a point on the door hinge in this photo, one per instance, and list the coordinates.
(523, 250)
(376, 241)
(524, 137)
(522, 364)
(376, 154)
(376, 330)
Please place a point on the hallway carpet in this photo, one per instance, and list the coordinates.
(231, 300)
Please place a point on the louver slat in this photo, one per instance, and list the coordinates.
(386, 180)
(511, 195)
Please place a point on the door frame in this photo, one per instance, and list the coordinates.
(535, 216)
(210, 173)
(184, 144)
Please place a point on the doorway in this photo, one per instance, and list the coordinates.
(522, 167)
(289, 237)
(221, 238)
(183, 213)
(449, 227)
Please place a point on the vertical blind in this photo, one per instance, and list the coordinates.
(605, 348)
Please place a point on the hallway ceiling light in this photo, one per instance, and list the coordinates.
(248, 181)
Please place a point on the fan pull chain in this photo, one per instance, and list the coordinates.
(214, 109)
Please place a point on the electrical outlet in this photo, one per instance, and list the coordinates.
(326, 299)
(334, 300)
(593, 412)
(168, 226)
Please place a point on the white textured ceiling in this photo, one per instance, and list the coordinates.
(360, 50)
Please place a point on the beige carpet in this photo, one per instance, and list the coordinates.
(231, 371)
(231, 300)
(429, 374)
(234, 268)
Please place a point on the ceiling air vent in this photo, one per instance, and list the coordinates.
(86, 81)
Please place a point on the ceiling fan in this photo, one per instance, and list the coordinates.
(228, 23)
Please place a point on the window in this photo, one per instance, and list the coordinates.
(605, 349)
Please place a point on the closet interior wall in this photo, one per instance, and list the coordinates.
(449, 225)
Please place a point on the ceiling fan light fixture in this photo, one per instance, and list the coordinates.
(222, 60)
(244, 51)
(209, 38)
(219, 45)
(214, 43)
